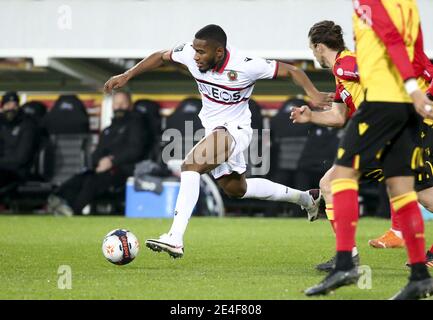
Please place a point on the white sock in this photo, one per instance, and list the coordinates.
(354, 251)
(258, 188)
(397, 233)
(186, 201)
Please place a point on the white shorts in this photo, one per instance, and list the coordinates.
(242, 135)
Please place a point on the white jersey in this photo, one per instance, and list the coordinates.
(225, 92)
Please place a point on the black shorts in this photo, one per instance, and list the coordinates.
(424, 178)
(384, 133)
(372, 175)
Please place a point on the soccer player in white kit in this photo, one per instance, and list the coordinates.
(225, 79)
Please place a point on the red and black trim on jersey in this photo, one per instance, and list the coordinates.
(223, 66)
(222, 94)
(224, 102)
(345, 69)
(224, 87)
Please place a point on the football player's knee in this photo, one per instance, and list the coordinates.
(325, 185)
(426, 200)
(189, 167)
(237, 192)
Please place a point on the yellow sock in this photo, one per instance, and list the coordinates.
(329, 211)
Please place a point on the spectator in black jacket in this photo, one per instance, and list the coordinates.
(120, 146)
(19, 141)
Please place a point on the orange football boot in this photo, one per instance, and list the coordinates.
(388, 241)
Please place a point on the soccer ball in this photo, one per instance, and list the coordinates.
(120, 246)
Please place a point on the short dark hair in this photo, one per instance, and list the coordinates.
(214, 33)
(328, 33)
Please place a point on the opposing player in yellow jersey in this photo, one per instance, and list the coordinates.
(327, 44)
(424, 180)
(385, 128)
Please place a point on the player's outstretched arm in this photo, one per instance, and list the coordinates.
(335, 117)
(152, 62)
(302, 80)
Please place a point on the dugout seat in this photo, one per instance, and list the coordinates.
(67, 124)
(254, 154)
(186, 121)
(35, 110)
(287, 144)
(68, 116)
(287, 139)
(317, 157)
(150, 113)
(31, 193)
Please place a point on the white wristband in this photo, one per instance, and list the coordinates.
(411, 86)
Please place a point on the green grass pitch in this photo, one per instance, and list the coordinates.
(228, 258)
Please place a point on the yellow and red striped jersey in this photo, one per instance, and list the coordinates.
(348, 86)
(388, 40)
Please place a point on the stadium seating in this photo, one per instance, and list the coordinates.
(255, 149)
(149, 110)
(68, 116)
(32, 192)
(288, 139)
(287, 144)
(64, 150)
(68, 127)
(185, 120)
(35, 110)
(317, 156)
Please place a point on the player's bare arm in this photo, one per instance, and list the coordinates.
(334, 117)
(301, 79)
(152, 62)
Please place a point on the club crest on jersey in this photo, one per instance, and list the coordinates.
(232, 75)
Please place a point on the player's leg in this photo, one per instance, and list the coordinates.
(325, 188)
(344, 184)
(230, 176)
(94, 185)
(392, 238)
(62, 201)
(344, 188)
(404, 201)
(237, 186)
(425, 198)
(365, 139)
(211, 151)
(424, 181)
(403, 157)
